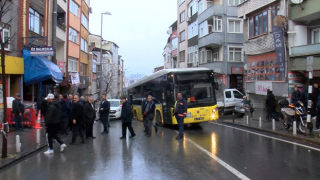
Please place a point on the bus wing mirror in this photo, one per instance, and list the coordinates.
(216, 85)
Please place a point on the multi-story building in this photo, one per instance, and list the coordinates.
(263, 69)
(121, 76)
(221, 41)
(182, 31)
(304, 40)
(170, 51)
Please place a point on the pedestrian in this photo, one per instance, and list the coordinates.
(315, 94)
(317, 123)
(180, 108)
(18, 110)
(126, 118)
(305, 96)
(77, 120)
(65, 113)
(82, 100)
(296, 95)
(148, 110)
(90, 116)
(40, 106)
(104, 111)
(270, 103)
(248, 107)
(70, 100)
(52, 122)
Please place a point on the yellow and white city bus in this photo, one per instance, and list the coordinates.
(195, 84)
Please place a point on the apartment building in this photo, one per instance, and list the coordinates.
(170, 51)
(263, 68)
(182, 31)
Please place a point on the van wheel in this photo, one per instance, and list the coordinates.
(158, 119)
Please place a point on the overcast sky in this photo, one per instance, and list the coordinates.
(139, 27)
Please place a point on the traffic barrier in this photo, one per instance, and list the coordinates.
(38, 121)
(273, 125)
(38, 136)
(18, 144)
(294, 128)
(260, 122)
(247, 120)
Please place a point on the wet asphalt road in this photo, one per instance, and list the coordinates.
(207, 152)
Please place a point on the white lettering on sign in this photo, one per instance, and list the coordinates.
(262, 87)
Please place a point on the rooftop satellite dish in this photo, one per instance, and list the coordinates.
(280, 21)
(296, 1)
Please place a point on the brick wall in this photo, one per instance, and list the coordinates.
(259, 45)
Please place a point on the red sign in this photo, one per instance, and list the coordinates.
(236, 70)
(60, 65)
(224, 79)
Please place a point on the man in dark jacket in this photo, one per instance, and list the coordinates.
(126, 118)
(148, 110)
(296, 95)
(52, 122)
(315, 94)
(70, 101)
(65, 112)
(181, 108)
(270, 103)
(77, 120)
(18, 110)
(89, 116)
(104, 114)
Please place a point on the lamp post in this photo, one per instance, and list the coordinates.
(105, 13)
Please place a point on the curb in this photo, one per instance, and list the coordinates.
(273, 132)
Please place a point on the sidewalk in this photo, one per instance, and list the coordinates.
(267, 127)
(28, 145)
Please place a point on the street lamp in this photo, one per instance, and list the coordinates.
(105, 13)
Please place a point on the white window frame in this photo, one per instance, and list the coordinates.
(202, 56)
(193, 30)
(182, 14)
(192, 54)
(84, 45)
(84, 21)
(5, 30)
(215, 54)
(234, 2)
(192, 8)
(181, 1)
(235, 47)
(201, 6)
(203, 26)
(94, 65)
(74, 63)
(184, 37)
(72, 37)
(174, 43)
(312, 35)
(235, 19)
(208, 60)
(216, 20)
(36, 18)
(74, 8)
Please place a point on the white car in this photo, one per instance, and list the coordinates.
(115, 108)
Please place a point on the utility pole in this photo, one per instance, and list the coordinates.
(310, 75)
(101, 56)
(54, 30)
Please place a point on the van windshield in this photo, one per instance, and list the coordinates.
(114, 103)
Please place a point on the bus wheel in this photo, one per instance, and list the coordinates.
(158, 119)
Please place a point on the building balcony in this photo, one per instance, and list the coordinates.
(63, 4)
(214, 10)
(214, 39)
(305, 50)
(61, 34)
(249, 6)
(306, 11)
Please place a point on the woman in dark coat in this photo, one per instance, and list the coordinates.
(89, 117)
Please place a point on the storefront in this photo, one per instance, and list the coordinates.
(236, 78)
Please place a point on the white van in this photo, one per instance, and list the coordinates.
(228, 100)
(115, 108)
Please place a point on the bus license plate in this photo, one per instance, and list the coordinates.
(198, 118)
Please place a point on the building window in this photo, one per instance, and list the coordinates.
(74, 8)
(235, 2)
(84, 45)
(182, 17)
(275, 11)
(192, 8)
(203, 29)
(5, 32)
(73, 35)
(182, 1)
(258, 24)
(168, 58)
(35, 21)
(217, 24)
(174, 43)
(201, 6)
(182, 56)
(235, 54)
(209, 56)
(99, 68)
(201, 56)
(234, 26)
(72, 64)
(193, 30)
(215, 55)
(83, 69)
(315, 36)
(192, 54)
(84, 21)
(182, 36)
(94, 65)
(87, 2)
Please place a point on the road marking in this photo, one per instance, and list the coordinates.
(294, 143)
(221, 162)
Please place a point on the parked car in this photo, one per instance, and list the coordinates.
(228, 99)
(239, 109)
(115, 108)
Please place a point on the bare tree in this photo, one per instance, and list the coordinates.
(6, 6)
(108, 79)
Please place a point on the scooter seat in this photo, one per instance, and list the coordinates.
(288, 111)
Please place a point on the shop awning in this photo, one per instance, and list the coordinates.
(40, 69)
